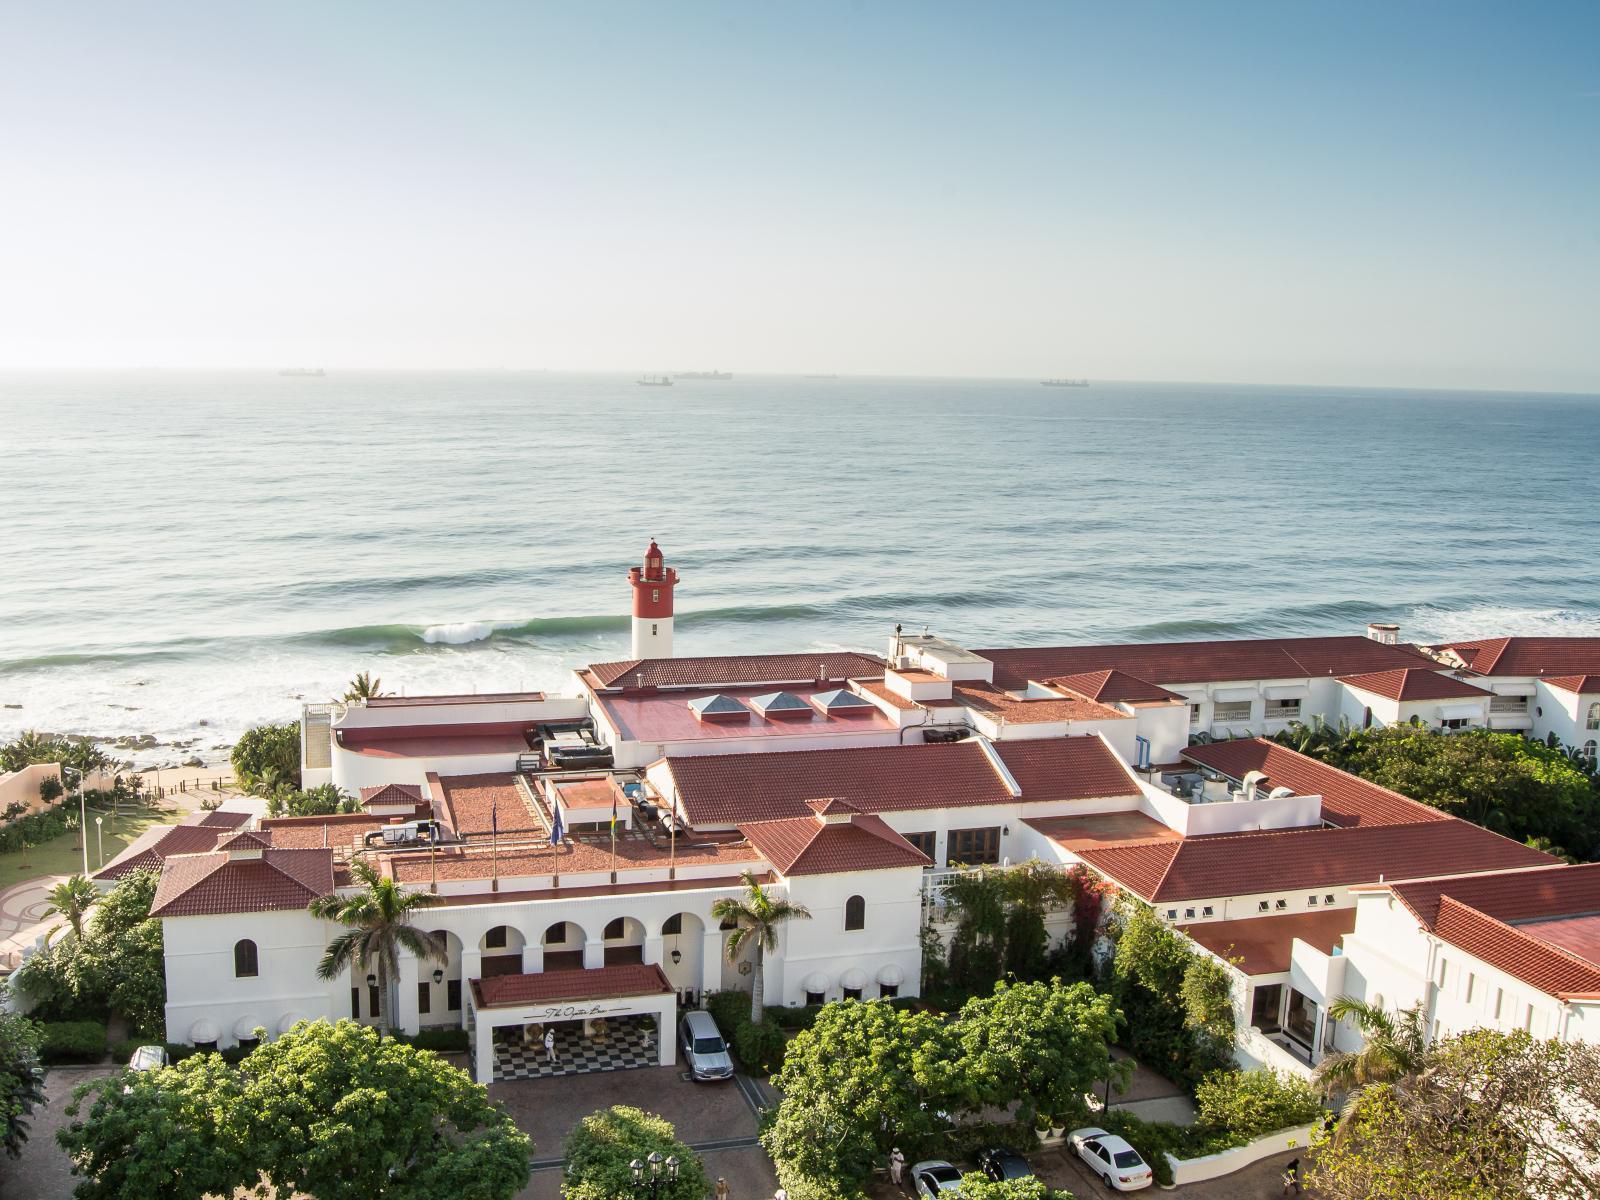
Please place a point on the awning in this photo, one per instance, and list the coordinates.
(1455, 712)
(1513, 689)
(890, 975)
(853, 979)
(1234, 694)
(245, 1027)
(289, 1021)
(1287, 693)
(816, 982)
(204, 1031)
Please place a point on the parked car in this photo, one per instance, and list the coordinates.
(1110, 1157)
(1000, 1164)
(935, 1178)
(705, 1052)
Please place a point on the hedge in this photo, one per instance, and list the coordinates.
(72, 1042)
(37, 828)
(442, 1041)
(760, 1048)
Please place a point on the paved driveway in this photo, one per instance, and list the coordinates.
(44, 1171)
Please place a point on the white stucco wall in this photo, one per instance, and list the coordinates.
(822, 944)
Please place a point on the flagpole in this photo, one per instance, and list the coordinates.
(494, 843)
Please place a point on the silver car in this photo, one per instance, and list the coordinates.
(704, 1051)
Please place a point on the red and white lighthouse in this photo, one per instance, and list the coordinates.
(652, 605)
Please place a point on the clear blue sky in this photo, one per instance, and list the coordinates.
(1395, 193)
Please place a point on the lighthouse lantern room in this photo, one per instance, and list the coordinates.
(652, 605)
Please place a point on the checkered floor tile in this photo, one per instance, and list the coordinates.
(627, 1045)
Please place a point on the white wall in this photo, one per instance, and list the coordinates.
(1230, 816)
(463, 712)
(822, 944)
(352, 771)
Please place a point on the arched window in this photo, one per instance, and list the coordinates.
(1366, 717)
(672, 925)
(244, 959)
(495, 939)
(855, 913)
(1594, 716)
(1589, 749)
(614, 929)
(556, 935)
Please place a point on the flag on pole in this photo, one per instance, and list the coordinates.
(558, 830)
(494, 838)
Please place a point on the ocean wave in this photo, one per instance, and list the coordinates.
(1442, 624)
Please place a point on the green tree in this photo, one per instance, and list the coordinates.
(71, 899)
(21, 1077)
(1252, 1103)
(324, 800)
(756, 919)
(78, 753)
(334, 1111)
(267, 758)
(1030, 1187)
(602, 1147)
(379, 920)
(999, 917)
(1046, 1044)
(364, 687)
(1393, 1045)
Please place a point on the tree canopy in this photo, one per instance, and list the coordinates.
(975, 1186)
(334, 1111)
(21, 1078)
(267, 758)
(601, 1148)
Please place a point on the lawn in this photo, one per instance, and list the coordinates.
(62, 855)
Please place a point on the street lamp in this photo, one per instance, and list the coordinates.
(651, 1186)
(100, 839)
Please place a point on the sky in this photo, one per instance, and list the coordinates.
(1365, 194)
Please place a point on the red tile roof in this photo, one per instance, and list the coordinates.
(1528, 895)
(1521, 953)
(176, 839)
(1205, 662)
(809, 846)
(1582, 685)
(194, 885)
(1111, 687)
(1346, 799)
(247, 839)
(391, 793)
(1530, 655)
(735, 669)
(725, 789)
(1243, 864)
(1263, 944)
(551, 987)
(481, 803)
(1414, 683)
(219, 819)
(1003, 706)
(1102, 829)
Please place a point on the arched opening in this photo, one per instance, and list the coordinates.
(624, 941)
(683, 954)
(245, 961)
(1589, 750)
(855, 913)
(439, 982)
(502, 951)
(1366, 717)
(563, 946)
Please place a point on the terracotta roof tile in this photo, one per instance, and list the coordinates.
(1001, 705)
(1346, 799)
(550, 987)
(883, 692)
(212, 884)
(177, 839)
(221, 819)
(1112, 686)
(808, 846)
(1560, 656)
(1521, 953)
(1066, 768)
(391, 793)
(1263, 944)
(1102, 829)
(1581, 685)
(735, 669)
(1242, 864)
(1414, 683)
(1205, 662)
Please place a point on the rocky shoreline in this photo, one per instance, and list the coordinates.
(139, 751)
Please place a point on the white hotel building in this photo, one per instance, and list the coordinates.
(850, 783)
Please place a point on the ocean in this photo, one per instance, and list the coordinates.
(187, 553)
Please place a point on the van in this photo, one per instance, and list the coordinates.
(704, 1051)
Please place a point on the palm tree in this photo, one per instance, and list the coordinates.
(71, 899)
(379, 917)
(755, 921)
(364, 687)
(1394, 1046)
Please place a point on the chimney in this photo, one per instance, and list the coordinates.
(1384, 633)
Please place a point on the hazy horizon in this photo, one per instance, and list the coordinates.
(1377, 196)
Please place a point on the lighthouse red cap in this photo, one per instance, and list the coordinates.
(652, 585)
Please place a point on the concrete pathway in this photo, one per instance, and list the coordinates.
(23, 919)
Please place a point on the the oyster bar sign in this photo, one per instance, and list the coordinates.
(576, 1012)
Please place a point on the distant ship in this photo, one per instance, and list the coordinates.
(302, 371)
(654, 381)
(1065, 382)
(705, 375)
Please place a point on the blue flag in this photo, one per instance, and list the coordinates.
(558, 831)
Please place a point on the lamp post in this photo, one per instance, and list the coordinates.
(651, 1185)
(100, 839)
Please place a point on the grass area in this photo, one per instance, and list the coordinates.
(63, 856)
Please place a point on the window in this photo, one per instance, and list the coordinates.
(452, 996)
(1311, 901)
(1366, 717)
(1172, 914)
(372, 999)
(424, 997)
(355, 1004)
(1231, 710)
(1283, 710)
(1527, 1017)
(1454, 722)
(1444, 968)
(1142, 755)
(244, 959)
(1194, 714)
(557, 934)
(1472, 983)
(1263, 906)
(972, 846)
(1206, 911)
(727, 923)
(655, 595)
(1510, 705)
(654, 628)
(495, 939)
(852, 993)
(926, 842)
(1188, 914)
(1589, 749)
(1499, 1002)
(816, 997)
(855, 913)
(888, 991)
(1594, 717)
(1281, 905)
(1328, 899)
(673, 924)
(615, 929)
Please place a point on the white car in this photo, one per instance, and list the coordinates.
(1110, 1157)
(935, 1178)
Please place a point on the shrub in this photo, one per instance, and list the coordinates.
(797, 1016)
(1154, 1140)
(50, 788)
(443, 1041)
(1251, 1103)
(599, 1150)
(72, 1041)
(975, 1186)
(760, 1047)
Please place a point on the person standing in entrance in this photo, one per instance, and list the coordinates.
(722, 1189)
(550, 1044)
(897, 1166)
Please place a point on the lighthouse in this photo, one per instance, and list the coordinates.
(652, 605)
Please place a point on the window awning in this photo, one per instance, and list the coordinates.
(1227, 695)
(1287, 693)
(204, 1031)
(855, 977)
(816, 982)
(890, 975)
(1454, 712)
(1512, 689)
(245, 1027)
